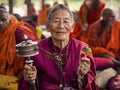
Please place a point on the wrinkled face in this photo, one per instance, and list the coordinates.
(4, 20)
(61, 25)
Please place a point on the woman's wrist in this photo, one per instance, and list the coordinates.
(82, 80)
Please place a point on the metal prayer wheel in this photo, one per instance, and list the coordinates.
(28, 48)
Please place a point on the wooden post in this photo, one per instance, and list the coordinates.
(10, 6)
(28, 3)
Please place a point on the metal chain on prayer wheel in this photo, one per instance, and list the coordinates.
(28, 48)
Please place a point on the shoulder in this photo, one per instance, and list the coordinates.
(102, 4)
(43, 42)
(117, 22)
(78, 43)
(117, 25)
(95, 24)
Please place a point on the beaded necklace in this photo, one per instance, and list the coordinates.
(59, 58)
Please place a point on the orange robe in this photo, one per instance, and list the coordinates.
(76, 31)
(10, 63)
(89, 15)
(108, 42)
(25, 26)
(42, 16)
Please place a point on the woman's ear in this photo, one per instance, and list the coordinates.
(47, 27)
(72, 28)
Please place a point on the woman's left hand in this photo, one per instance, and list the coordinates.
(84, 66)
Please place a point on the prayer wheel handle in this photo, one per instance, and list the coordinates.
(22, 50)
(31, 83)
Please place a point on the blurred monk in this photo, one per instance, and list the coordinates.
(104, 40)
(10, 64)
(42, 16)
(89, 12)
(104, 35)
(29, 24)
(77, 27)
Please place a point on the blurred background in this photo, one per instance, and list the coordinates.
(21, 7)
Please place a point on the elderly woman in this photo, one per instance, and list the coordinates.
(60, 64)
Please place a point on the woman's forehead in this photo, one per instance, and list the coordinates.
(61, 12)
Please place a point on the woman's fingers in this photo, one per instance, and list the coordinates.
(84, 67)
(29, 72)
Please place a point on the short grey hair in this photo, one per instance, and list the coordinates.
(58, 7)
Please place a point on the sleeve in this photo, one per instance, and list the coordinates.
(19, 35)
(91, 76)
(23, 84)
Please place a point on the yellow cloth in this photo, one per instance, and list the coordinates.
(8, 82)
(39, 32)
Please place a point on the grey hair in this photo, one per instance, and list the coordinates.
(58, 7)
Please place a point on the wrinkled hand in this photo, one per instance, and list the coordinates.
(84, 67)
(29, 72)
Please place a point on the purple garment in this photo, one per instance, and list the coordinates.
(48, 72)
(19, 35)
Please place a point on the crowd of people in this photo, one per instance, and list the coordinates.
(81, 43)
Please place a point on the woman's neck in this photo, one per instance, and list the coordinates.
(60, 43)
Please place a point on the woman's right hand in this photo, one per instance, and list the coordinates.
(29, 72)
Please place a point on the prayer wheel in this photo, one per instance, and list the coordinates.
(28, 48)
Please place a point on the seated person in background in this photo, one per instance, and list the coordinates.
(104, 36)
(27, 24)
(77, 27)
(104, 39)
(90, 11)
(42, 14)
(10, 35)
(60, 64)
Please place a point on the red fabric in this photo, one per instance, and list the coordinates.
(104, 63)
(93, 14)
(77, 30)
(111, 47)
(48, 71)
(90, 15)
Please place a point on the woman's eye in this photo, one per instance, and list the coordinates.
(66, 21)
(56, 21)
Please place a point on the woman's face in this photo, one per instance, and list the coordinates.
(60, 25)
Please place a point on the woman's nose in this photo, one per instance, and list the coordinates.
(61, 25)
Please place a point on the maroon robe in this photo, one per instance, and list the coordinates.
(49, 74)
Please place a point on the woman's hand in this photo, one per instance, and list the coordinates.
(84, 67)
(29, 72)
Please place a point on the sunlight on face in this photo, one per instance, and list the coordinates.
(61, 25)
